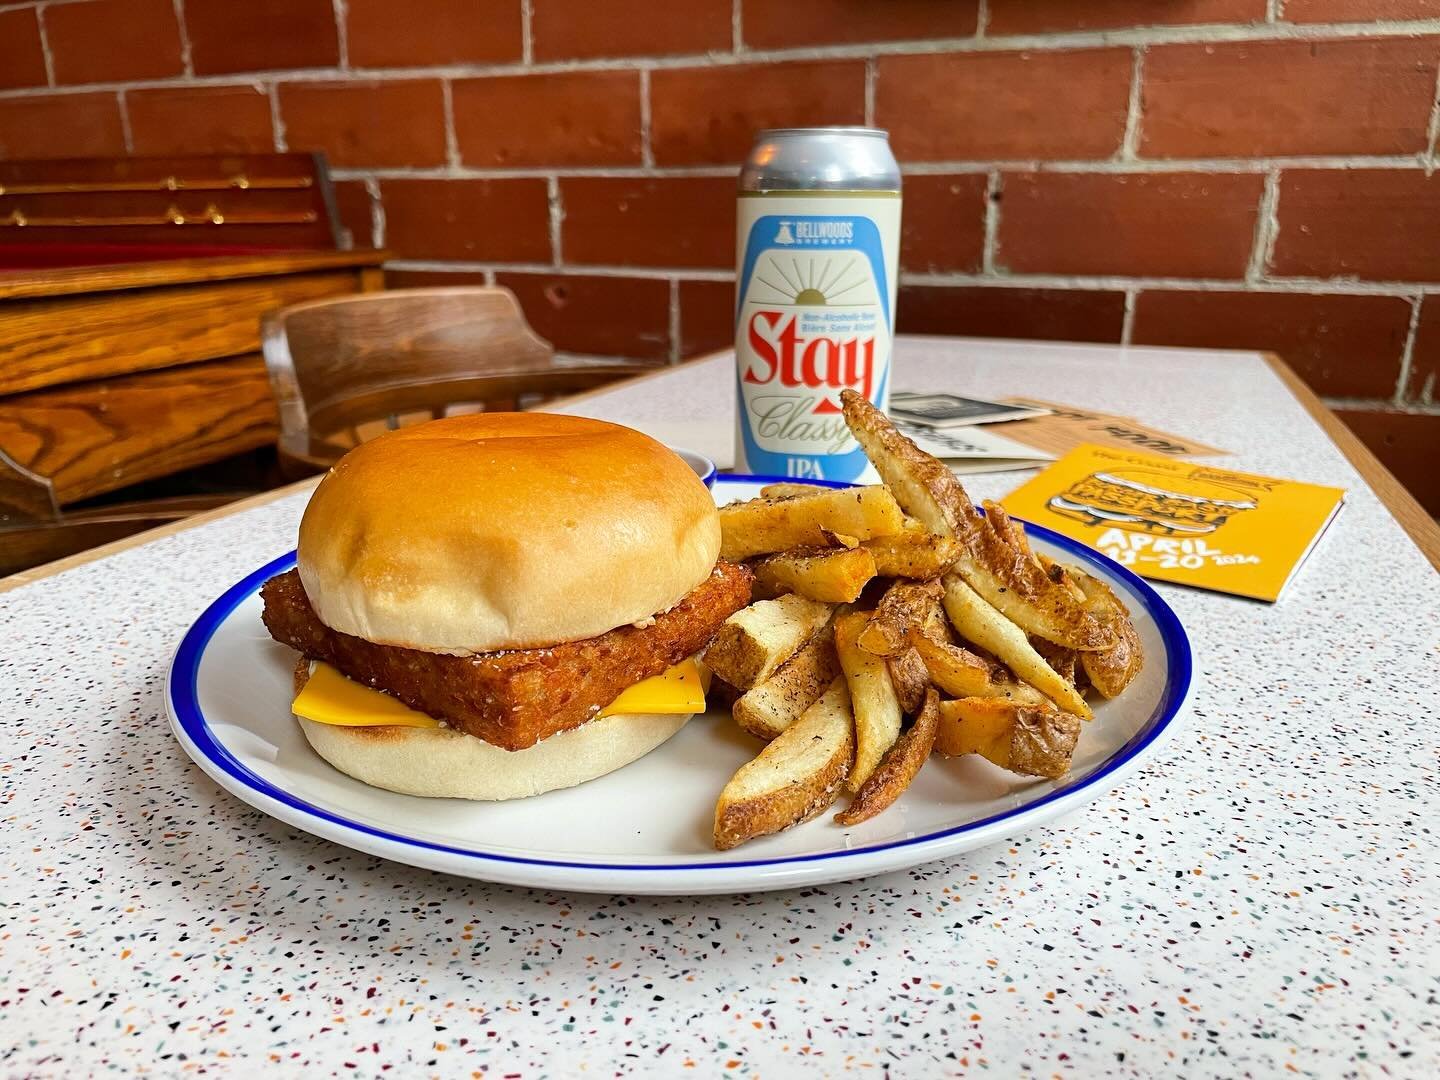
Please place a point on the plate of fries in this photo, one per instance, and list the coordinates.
(915, 677)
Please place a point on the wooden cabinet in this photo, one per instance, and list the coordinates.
(110, 375)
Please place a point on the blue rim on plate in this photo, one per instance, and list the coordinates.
(183, 693)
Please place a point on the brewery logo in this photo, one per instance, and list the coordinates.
(784, 235)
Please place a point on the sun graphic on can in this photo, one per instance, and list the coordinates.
(814, 281)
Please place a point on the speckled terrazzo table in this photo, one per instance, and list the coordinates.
(1262, 899)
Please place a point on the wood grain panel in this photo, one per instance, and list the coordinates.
(22, 284)
(48, 342)
(94, 437)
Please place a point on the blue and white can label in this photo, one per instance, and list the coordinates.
(815, 314)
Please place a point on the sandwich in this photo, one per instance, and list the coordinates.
(497, 605)
(1144, 501)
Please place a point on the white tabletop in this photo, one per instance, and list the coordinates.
(1262, 898)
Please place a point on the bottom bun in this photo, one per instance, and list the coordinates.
(444, 763)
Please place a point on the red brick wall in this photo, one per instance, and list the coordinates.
(1250, 173)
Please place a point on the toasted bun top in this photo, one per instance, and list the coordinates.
(504, 530)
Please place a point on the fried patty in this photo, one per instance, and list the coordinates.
(516, 697)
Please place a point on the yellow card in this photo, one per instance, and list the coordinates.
(1178, 521)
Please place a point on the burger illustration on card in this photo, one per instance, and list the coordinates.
(1141, 500)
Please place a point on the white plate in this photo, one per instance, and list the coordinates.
(646, 828)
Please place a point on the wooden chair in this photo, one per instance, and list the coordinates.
(34, 529)
(346, 369)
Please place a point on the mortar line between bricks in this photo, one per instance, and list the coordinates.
(1432, 129)
(872, 74)
(1272, 10)
(1206, 34)
(1402, 382)
(377, 213)
(186, 57)
(342, 33)
(527, 32)
(1127, 318)
(122, 105)
(15, 5)
(660, 273)
(737, 27)
(994, 192)
(447, 109)
(1130, 141)
(674, 320)
(556, 206)
(1245, 166)
(45, 51)
(1120, 282)
(647, 148)
(982, 20)
(1267, 228)
(1077, 282)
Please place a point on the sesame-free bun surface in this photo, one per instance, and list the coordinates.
(504, 530)
(448, 764)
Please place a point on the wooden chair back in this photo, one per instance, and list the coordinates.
(219, 201)
(34, 529)
(347, 368)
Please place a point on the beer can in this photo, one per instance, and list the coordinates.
(817, 247)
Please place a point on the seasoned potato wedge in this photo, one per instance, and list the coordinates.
(787, 491)
(756, 640)
(1014, 583)
(795, 777)
(977, 621)
(1026, 739)
(921, 484)
(1007, 576)
(872, 694)
(762, 526)
(772, 706)
(916, 555)
(904, 606)
(958, 671)
(1110, 670)
(911, 679)
(898, 767)
(835, 575)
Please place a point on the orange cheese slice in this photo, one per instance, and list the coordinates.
(330, 698)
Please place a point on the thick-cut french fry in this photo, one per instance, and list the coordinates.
(769, 708)
(761, 526)
(1012, 581)
(921, 484)
(916, 555)
(787, 491)
(872, 694)
(794, 778)
(1025, 739)
(960, 672)
(1006, 576)
(1007, 528)
(1062, 575)
(977, 621)
(911, 679)
(903, 606)
(1110, 670)
(835, 575)
(1062, 661)
(898, 767)
(756, 640)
